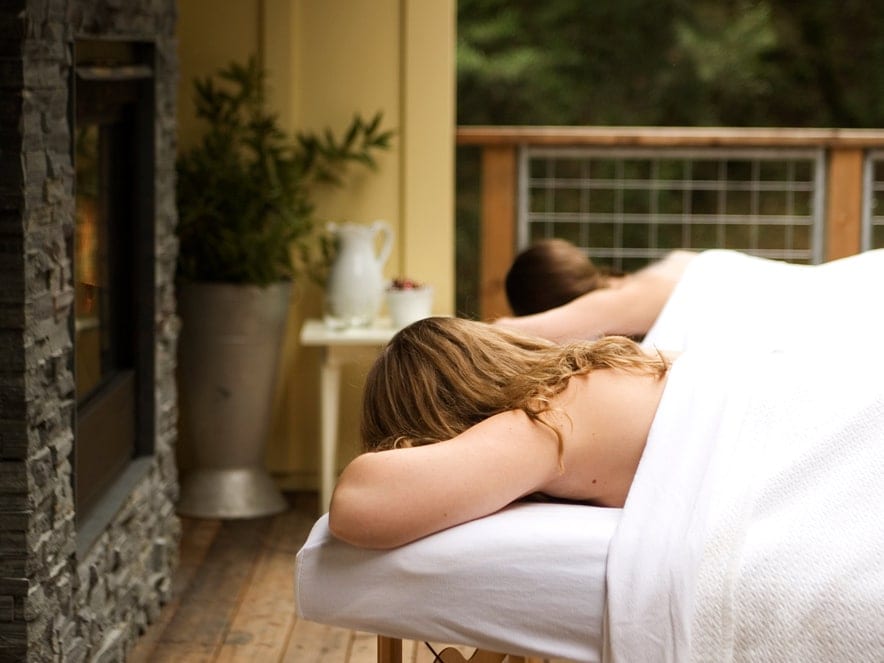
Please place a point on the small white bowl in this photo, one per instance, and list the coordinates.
(409, 305)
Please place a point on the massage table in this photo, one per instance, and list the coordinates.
(752, 531)
(513, 600)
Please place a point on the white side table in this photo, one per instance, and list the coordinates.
(337, 348)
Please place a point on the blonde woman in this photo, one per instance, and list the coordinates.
(469, 417)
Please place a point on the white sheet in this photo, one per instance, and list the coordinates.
(528, 580)
(726, 299)
(753, 529)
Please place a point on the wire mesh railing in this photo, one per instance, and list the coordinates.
(628, 195)
(624, 207)
(873, 202)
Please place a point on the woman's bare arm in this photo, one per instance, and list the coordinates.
(628, 310)
(389, 498)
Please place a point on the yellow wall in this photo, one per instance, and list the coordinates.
(210, 34)
(327, 59)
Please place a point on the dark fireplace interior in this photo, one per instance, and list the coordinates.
(113, 262)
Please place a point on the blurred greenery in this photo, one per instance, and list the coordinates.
(787, 63)
(797, 63)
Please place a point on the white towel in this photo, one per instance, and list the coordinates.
(753, 530)
(528, 579)
(793, 568)
(726, 298)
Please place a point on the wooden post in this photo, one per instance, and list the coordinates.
(498, 233)
(389, 650)
(844, 192)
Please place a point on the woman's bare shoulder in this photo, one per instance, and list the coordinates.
(670, 267)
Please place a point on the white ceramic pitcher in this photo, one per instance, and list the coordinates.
(355, 286)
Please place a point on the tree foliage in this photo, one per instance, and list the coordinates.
(671, 62)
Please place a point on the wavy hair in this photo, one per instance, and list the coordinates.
(439, 376)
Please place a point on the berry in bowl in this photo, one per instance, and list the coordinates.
(408, 301)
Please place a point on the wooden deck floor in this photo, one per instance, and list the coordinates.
(233, 599)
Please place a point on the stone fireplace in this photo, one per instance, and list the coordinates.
(88, 537)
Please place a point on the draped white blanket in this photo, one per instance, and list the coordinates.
(726, 298)
(754, 529)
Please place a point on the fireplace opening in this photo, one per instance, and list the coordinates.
(113, 263)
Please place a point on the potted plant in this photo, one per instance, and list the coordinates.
(245, 232)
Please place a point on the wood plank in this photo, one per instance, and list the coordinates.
(391, 650)
(202, 620)
(362, 648)
(196, 539)
(844, 203)
(498, 228)
(191, 652)
(735, 137)
(264, 618)
(316, 643)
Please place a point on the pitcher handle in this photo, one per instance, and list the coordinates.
(383, 227)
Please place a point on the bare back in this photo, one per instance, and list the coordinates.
(605, 418)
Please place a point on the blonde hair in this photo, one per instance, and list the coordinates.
(440, 376)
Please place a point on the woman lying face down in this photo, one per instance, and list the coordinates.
(461, 418)
(558, 293)
(713, 297)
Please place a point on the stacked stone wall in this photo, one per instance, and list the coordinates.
(56, 603)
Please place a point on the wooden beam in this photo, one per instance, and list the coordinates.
(734, 137)
(498, 240)
(844, 203)
(389, 650)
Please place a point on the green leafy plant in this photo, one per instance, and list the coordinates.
(244, 192)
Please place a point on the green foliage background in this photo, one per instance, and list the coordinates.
(786, 63)
(797, 63)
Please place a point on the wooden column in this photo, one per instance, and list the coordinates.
(498, 221)
(844, 203)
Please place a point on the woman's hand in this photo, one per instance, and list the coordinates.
(388, 498)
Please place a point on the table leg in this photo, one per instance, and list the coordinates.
(330, 394)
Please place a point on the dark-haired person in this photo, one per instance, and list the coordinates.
(713, 297)
(555, 291)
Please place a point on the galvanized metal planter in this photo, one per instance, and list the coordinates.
(228, 359)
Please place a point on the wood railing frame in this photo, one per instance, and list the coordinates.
(845, 150)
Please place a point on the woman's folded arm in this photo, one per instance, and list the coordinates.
(388, 498)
